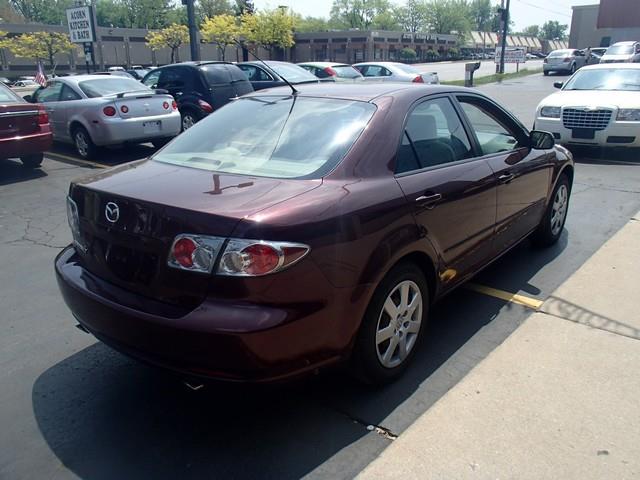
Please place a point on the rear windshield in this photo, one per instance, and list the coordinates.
(347, 71)
(109, 86)
(627, 79)
(620, 50)
(561, 53)
(7, 96)
(293, 73)
(281, 137)
(216, 74)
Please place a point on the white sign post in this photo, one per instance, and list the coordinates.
(81, 28)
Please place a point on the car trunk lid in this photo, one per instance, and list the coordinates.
(18, 119)
(142, 104)
(155, 203)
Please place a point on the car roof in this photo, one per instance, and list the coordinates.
(364, 92)
(75, 79)
(324, 64)
(627, 42)
(615, 66)
(390, 64)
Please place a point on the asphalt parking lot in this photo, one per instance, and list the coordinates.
(72, 408)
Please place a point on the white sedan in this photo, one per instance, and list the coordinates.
(598, 106)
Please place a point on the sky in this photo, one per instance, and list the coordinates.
(523, 12)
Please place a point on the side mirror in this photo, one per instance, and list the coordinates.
(558, 84)
(542, 140)
(28, 98)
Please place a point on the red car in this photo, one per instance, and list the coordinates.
(25, 131)
(289, 230)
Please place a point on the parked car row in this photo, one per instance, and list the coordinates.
(570, 60)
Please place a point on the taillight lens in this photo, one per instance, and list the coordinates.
(205, 106)
(249, 258)
(109, 111)
(124, 109)
(73, 217)
(330, 71)
(196, 253)
(174, 105)
(165, 105)
(240, 258)
(418, 79)
(43, 116)
(566, 60)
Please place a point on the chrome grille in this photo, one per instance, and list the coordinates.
(578, 118)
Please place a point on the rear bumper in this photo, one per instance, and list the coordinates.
(558, 67)
(224, 340)
(25, 145)
(616, 134)
(122, 130)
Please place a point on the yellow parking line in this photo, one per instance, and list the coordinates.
(75, 161)
(523, 300)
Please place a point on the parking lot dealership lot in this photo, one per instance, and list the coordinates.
(70, 407)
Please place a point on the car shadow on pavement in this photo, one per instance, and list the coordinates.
(12, 171)
(108, 155)
(607, 156)
(105, 416)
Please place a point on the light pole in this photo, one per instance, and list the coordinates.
(194, 44)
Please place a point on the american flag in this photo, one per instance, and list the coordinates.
(40, 77)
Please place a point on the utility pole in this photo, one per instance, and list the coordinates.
(193, 30)
(505, 28)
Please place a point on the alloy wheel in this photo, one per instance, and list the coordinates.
(559, 209)
(82, 145)
(187, 121)
(399, 324)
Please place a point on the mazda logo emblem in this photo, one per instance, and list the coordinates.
(112, 212)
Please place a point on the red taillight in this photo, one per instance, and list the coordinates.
(259, 259)
(205, 106)
(174, 105)
(165, 105)
(43, 116)
(109, 111)
(183, 251)
(566, 60)
(124, 109)
(331, 72)
(418, 79)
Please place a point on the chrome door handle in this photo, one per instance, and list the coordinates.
(506, 177)
(428, 200)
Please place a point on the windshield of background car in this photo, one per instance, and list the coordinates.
(620, 50)
(605, 79)
(347, 71)
(110, 86)
(561, 53)
(293, 73)
(7, 96)
(269, 136)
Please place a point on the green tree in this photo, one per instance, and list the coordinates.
(446, 16)
(173, 37)
(309, 24)
(386, 20)
(269, 29)
(481, 14)
(146, 13)
(223, 30)
(554, 30)
(51, 12)
(110, 13)
(41, 46)
(243, 7)
(357, 13)
(531, 30)
(211, 8)
(408, 54)
(413, 16)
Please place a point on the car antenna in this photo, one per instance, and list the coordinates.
(293, 89)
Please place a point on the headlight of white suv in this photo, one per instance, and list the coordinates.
(550, 112)
(629, 115)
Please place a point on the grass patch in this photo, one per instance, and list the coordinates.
(495, 78)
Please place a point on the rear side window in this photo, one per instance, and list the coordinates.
(152, 79)
(268, 136)
(347, 71)
(50, 93)
(235, 73)
(433, 136)
(216, 74)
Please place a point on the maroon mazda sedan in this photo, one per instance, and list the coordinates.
(289, 231)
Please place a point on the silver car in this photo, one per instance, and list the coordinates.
(91, 111)
(338, 72)
(566, 61)
(395, 72)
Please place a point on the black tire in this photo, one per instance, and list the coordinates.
(83, 143)
(545, 73)
(189, 118)
(573, 69)
(548, 232)
(366, 363)
(32, 161)
(160, 142)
